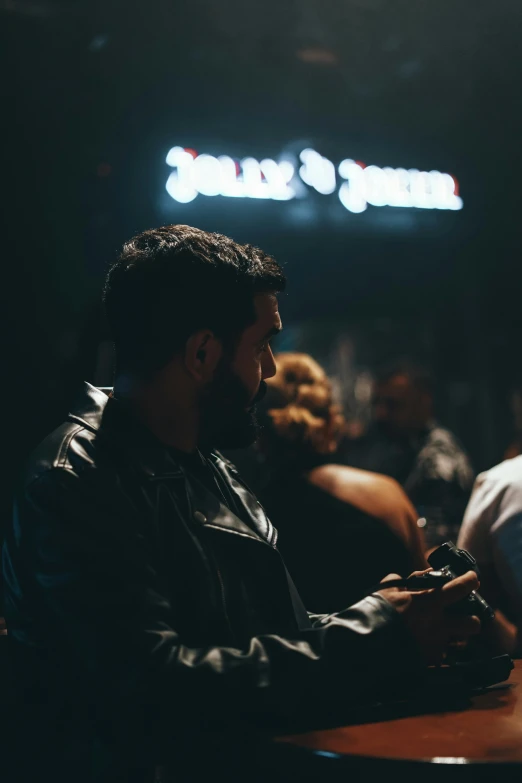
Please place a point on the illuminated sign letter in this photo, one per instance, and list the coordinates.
(360, 185)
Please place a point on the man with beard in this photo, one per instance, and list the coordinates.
(148, 608)
(408, 444)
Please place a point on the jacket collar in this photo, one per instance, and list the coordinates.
(246, 497)
(111, 420)
(208, 511)
(89, 406)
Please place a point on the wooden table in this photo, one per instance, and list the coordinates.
(488, 732)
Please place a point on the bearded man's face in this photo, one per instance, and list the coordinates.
(228, 411)
(228, 403)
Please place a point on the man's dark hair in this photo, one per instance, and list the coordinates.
(169, 282)
(419, 377)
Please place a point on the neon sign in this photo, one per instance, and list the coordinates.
(357, 185)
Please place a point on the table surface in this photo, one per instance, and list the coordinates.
(490, 730)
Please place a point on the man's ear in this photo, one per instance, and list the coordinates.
(203, 351)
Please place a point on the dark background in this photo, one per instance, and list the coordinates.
(95, 93)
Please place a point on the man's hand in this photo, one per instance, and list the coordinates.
(424, 614)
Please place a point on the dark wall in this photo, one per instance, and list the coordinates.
(98, 92)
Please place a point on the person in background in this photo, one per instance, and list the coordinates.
(341, 530)
(407, 443)
(492, 532)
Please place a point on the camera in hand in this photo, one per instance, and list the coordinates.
(473, 667)
(454, 562)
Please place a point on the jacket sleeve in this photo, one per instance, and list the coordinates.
(97, 579)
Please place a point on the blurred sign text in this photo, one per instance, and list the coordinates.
(356, 184)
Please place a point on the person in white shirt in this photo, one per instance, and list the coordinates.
(492, 532)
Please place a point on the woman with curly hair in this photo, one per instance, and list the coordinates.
(341, 529)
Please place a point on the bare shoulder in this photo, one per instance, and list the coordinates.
(374, 494)
(343, 482)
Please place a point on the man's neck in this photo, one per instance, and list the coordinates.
(171, 422)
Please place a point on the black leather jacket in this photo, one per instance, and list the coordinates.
(136, 599)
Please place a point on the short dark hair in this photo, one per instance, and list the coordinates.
(169, 282)
(419, 377)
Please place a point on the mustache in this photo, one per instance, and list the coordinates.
(261, 392)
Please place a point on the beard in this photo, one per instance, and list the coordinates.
(228, 411)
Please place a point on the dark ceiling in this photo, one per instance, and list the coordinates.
(427, 65)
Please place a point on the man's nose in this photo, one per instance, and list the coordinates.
(268, 365)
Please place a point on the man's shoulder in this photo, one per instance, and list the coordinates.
(443, 457)
(72, 470)
(505, 475)
(496, 499)
(71, 449)
(443, 438)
